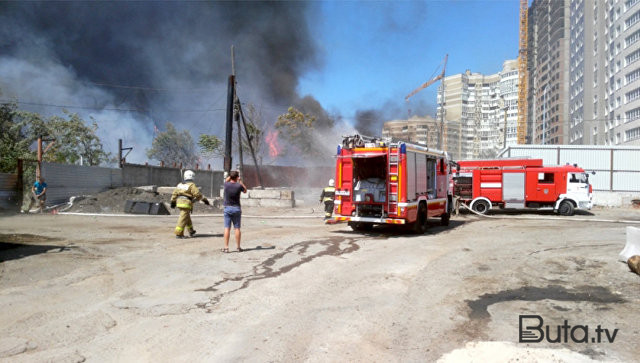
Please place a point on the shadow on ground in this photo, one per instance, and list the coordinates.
(515, 212)
(16, 246)
(394, 231)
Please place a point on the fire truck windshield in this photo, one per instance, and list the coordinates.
(579, 178)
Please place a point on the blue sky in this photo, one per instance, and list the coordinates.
(374, 52)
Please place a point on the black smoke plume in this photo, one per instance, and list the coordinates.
(136, 65)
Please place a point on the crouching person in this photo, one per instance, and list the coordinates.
(183, 197)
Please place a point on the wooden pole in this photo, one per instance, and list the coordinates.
(253, 154)
(39, 166)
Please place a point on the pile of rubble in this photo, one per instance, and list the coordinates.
(114, 200)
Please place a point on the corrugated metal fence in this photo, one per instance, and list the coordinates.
(9, 194)
(617, 168)
(66, 180)
(208, 181)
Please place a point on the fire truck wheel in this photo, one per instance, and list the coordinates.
(420, 225)
(566, 208)
(361, 227)
(444, 220)
(480, 206)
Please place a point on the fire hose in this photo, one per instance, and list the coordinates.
(192, 216)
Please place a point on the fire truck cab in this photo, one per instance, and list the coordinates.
(384, 182)
(521, 183)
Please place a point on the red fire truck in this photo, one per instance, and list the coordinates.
(383, 182)
(521, 183)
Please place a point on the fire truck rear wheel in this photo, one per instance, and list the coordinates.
(480, 206)
(420, 225)
(566, 208)
(444, 220)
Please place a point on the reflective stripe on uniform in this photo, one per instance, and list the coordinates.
(186, 206)
(328, 193)
(179, 229)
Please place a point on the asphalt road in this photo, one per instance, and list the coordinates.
(76, 288)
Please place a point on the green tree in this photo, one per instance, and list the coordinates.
(75, 141)
(210, 145)
(297, 128)
(172, 146)
(14, 144)
(19, 130)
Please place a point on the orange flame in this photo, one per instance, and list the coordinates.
(274, 147)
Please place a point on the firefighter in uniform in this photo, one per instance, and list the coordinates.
(183, 197)
(327, 197)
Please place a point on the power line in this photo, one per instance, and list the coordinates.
(69, 106)
(146, 88)
(105, 108)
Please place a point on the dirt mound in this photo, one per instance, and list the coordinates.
(113, 201)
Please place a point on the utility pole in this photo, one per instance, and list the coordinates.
(41, 153)
(121, 158)
(504, 143)
(253, 154)
(236, 113)
(229, 125)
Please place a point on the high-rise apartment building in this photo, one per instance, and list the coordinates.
(476, 108)
(548, 65)
(622, 77)
(601, 71)
(419, 130)
(587, 73)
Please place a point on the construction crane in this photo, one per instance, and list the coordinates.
(441, 136)
(431, 81)
(522, 73)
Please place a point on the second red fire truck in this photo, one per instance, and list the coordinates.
(521, 183)
(383, 182)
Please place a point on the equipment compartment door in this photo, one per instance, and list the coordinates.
(513, 190)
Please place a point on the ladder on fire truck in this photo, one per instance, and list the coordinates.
(394, 162)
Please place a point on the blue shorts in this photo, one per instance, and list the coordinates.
(232, 214)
